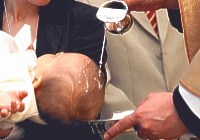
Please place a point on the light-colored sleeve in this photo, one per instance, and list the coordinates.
(30, 60)
(16, 73)
(187, 97)
(191, 78)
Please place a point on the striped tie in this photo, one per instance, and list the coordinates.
(151, 15)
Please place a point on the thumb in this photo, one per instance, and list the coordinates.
(120, 126)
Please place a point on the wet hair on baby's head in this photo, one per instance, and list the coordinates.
(72, 89)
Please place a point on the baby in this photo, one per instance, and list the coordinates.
(71, 88)
(68, 86)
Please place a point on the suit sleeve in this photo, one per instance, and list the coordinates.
(187, 97)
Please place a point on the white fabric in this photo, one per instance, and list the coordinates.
(192, 101)
(16, 73)
(23, 37)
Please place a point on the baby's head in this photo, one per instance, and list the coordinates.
(71, 88)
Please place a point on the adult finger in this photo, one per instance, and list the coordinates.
(144, 5)
(120, 126)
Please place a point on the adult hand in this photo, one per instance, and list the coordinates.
(148, 5)
(155, 118)
(14, 103)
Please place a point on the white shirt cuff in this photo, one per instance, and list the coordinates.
(191, 100)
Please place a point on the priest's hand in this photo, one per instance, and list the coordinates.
(155, 118)
(148, 5)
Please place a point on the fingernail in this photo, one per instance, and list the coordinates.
(106, 137)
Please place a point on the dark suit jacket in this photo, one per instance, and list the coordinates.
(175, 18)
(66, 26)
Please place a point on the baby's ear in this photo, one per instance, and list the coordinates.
(36, 82)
